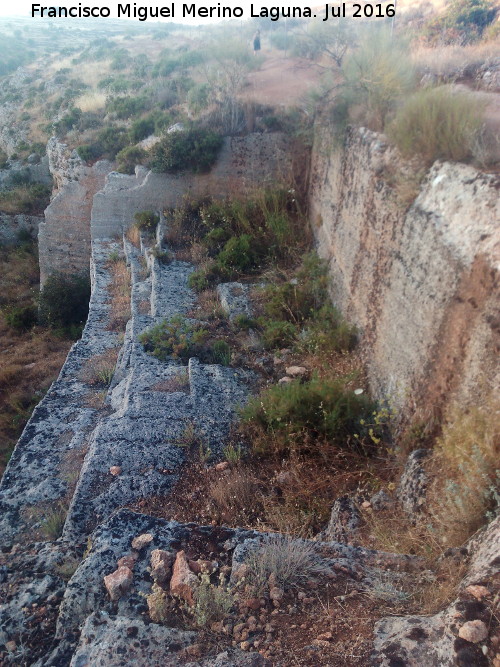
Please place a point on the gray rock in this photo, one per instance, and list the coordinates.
(413, 484)
(114, 641)
(428, 641)
(345, 520)
(381, 501)
(234, 299)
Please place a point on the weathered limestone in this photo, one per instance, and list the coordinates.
(64, 237)
(234, 299)
(142, 435)
(113, 641)
(448, 638)
(422, 284)
(56, 437)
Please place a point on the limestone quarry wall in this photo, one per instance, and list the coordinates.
(64, 236)
(421, 284)
(244, 163)
(96, 202)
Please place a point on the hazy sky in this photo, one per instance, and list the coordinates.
(23, 7)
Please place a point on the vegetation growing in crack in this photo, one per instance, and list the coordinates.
(235, 238)
(178, 338)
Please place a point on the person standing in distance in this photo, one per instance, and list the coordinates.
(256, 42)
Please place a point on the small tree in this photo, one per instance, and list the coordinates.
(377, 74)
(332, 39)
(64, 302)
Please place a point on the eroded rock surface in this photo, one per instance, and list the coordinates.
(463, 634)
(421, 283)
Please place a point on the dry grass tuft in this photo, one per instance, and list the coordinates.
(99, 370)
(451, 62)
(465, 473)
(235, 494)
(293, 563)
(175, 383)
(92, 102)
(133, 235)
(120, 295)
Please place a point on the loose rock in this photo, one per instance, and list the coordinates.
(118, 582)
(183, 582)
(142, 541)
(473, 631)
(297, 371)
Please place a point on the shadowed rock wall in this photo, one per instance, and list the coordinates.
(421, 284)
(64, 236)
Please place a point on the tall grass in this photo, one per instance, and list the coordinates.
(465, 491)
(437, 123)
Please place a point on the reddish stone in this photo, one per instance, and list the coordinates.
(118, 583)
(183, 583)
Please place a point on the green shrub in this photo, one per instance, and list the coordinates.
(197, 97)
(3, 159)
(163, 256)
(198, 280)
(64, 302)
(297, 300)
(147, 220)
(175, 338)
(127, 107)
(68, 121)
(88, 152)
(193, 150)
(327, 331)
(53, 521)
(128, 158)
(437, 123)
(238, 255)
(297, 413)
(244, 322)
(277, 333)
(111, 140)
(462, 22)
(21, 318)
(169, 63)
(141, 129)
(121, 59)
(376, 75)
(108, 143)
(25, 199)
(212, 603)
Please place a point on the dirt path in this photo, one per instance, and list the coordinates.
(281, 80)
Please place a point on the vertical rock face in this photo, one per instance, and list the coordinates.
(421, 284)
(64, 236)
